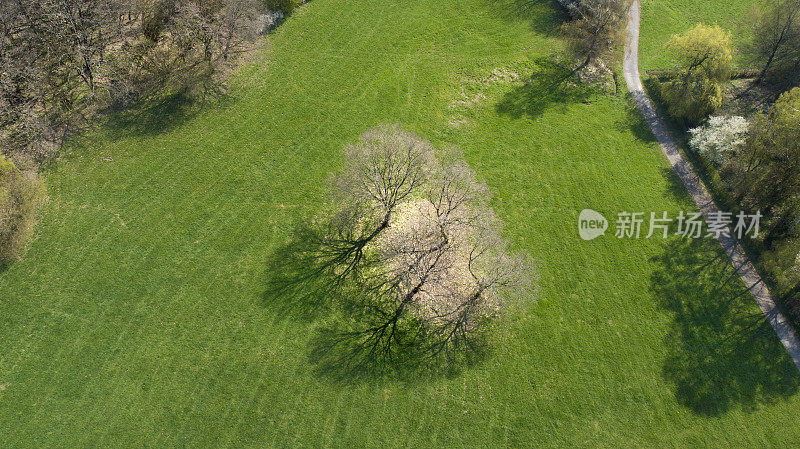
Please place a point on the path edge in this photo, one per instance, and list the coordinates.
(698, 192)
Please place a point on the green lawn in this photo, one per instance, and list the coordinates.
(661, 19)
(137, 318)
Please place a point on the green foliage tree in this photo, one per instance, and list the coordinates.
(766, 171)
(775, 45)
(705, 58)
(21, 195)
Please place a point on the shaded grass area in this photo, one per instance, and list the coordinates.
(721, 351)
(158, 116)
(303, 278)
(549, 85)
(140, 316)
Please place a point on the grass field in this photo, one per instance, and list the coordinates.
(138, 319)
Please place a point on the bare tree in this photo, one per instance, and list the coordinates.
(432, 263)
(596, 31)
(235, 26)
(384, 168)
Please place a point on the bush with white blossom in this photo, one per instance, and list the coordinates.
(719, 138)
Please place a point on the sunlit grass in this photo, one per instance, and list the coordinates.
(138, 317)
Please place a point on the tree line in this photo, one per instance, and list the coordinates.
(62, 61)
(754, 160)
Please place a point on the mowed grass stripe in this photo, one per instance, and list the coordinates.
(184, 353)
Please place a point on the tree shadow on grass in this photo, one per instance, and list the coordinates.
(723, 352)
(337, 354)
(675, 190)
(550, 84)
(544, 16)
(635, 123)
(301, 285)
(157, 116)
(297, 283)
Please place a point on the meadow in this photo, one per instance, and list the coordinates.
(140, 316)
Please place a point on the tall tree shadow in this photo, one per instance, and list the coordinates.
(635, 123)
(159, 115)
(723, 353)
(338, 353)
(302, 283)
(298, 282)
(675, 189)
(550, 84)
(544, 16)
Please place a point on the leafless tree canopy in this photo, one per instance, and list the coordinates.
(597, 30)
(416, 249)
(63, 60)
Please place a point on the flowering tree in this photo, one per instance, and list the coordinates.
(413, 253)
(719, 138)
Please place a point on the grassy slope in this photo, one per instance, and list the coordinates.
(136, 319)
(661, 19)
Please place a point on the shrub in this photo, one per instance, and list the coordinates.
(692, 100)
(783, 264)
(287, 6)
(21, 194)
(705, 56)
(719, 138)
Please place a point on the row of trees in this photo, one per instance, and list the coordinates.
(63, 60)
(762, 169)
(705, 55)
(756, 157)
(596, 32)
(410, 253)
(759, 165)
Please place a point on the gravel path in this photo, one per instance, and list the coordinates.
(698, 192)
